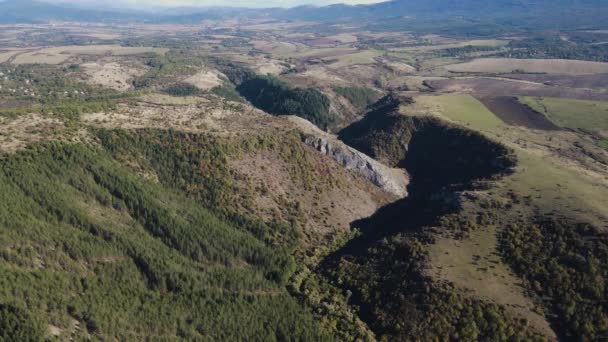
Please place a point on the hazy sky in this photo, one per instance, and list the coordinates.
(232, 3)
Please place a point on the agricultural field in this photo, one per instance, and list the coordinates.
(429, 46)
(591, 116)
(359, 58)
(58, 55)
(510, 65)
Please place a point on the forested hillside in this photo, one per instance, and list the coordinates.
(276, 97)
(96, 248)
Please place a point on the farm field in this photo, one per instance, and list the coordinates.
(484, 86)
(511, 111)
(58, 55)
(434, 47)
(359, 58)
(590, 116)
(509, 65)
(584, 192)
(461, 108)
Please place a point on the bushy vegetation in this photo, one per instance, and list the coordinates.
(54, 91)
(384, 272)
(563, 265)
(165, 68)
(384, 269)
(228, 92)
(464, 51)
(276, 97)
(359, 97)
(17, 324)
(84, 238)
(182, 89)
(553, 46)
(197, 164)
(66, 109)
(47, 85)
(235, 73)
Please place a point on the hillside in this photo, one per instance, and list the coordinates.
(465, 16)
(400, 171)
(114, 224)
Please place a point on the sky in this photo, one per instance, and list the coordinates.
(231, 3)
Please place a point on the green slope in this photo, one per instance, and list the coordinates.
(91, 248)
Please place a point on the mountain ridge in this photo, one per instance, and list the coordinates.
(31, 11)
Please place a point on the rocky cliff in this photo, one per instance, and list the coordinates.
(392, 180)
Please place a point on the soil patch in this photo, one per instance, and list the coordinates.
(482, 87)
(512, 112)
(571, 81)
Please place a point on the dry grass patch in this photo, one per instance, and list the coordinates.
(111, 75)
(17, 133)
(210, 114)
(261, 66)
(474, 265)
(364, 57)
(205, 79)
(7, 54)
(263, 45)
(315, 75)
(399, 67)
(344, 198)
(58, 55)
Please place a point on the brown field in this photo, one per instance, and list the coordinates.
(343, 38)
(5, 56)
(319, 42)
(263, 45)
(482, 87)
(570, 81)
(509, 65)
(513, 112)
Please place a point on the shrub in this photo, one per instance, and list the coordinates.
(17, 324)
(182, 89)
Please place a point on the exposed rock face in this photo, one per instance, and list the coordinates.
(389, 179)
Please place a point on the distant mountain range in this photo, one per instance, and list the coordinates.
(26, 11)
(533, 13)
